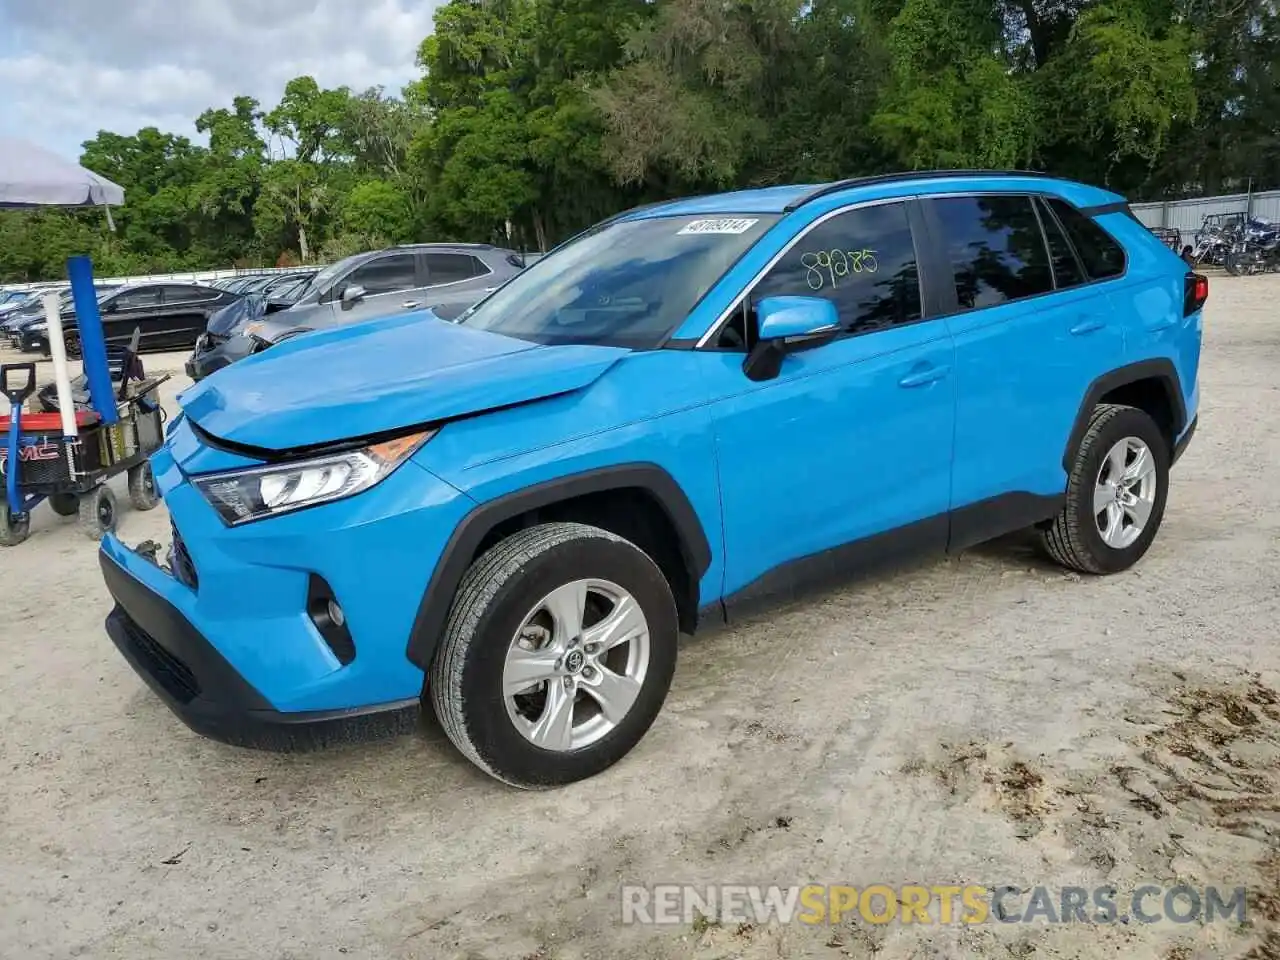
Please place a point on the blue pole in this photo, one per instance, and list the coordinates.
(93, 344)
(11, 462)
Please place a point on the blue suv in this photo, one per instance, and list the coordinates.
(688, 409)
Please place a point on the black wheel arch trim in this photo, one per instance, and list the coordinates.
(1160, 369)
(433, 611)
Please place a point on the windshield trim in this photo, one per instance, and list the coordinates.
(772, 218)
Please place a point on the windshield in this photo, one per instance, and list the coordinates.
(290, 290)
(624, 284)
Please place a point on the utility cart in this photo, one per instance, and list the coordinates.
(38, 461)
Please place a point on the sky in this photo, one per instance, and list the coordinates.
(69, 68)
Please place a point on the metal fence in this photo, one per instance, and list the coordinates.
(198, 276)
(1187, 215)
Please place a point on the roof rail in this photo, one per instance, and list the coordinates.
(439, 243)
(829, 188)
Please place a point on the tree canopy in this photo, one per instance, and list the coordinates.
(533, 119)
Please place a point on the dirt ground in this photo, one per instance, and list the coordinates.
(985, 719)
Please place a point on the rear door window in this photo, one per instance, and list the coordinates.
(188, 294)
(133, 299)
(1102, 256)
(452, 268)
(995, 248)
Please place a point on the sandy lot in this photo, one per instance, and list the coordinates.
(984, 719)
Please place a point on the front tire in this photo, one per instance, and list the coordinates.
(14, 527)
(142, 487)
(557, 656)
(98, 512)
(1116, 493)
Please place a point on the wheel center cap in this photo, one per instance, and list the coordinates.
(574, 660)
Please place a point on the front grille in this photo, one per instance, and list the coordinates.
(184, 570)
(171, 673)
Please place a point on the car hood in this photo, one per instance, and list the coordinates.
(297, 316)
(233, 318)
(379, 376)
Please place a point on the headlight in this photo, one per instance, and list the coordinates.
(246, 495)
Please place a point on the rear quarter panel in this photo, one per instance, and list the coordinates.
(1150, 298)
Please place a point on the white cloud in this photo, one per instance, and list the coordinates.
(69, 68)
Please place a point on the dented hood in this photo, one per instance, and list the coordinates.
(368, 378)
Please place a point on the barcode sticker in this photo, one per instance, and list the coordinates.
(738, 225)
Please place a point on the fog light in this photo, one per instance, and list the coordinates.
(330, 619)
(336, 616)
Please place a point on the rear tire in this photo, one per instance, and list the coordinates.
(515, 658)
(142, 487)
(1098, 530)
(64, 504)
(98, 512)
(71, 341)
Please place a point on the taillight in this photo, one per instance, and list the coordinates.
(1196, 289)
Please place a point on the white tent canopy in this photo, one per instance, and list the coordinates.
(31, 176)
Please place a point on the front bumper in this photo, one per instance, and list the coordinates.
(207, 693)
(212, 354)
(228, 635)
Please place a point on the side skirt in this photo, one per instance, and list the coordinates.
(950, 533)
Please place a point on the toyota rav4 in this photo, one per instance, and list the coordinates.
(690, 408)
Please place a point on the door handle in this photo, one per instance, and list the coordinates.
(1088, 325)
(410, 304)
(923, 377)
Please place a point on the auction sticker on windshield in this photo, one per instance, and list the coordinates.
(719, 226)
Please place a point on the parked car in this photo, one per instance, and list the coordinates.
(20, 299)
(287, 291)
(687, 410)
(20, 312)
(232, 319)
(170, 316)
(243, 282)
(31, 309)
(396, 280)
(26, 329)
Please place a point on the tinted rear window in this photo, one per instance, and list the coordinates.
(1067, 271)
(1102, 256)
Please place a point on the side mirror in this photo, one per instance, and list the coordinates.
(788, 324)
(352, 294)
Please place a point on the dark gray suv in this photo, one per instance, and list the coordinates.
(445, 277)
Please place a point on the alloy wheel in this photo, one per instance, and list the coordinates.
(1125, 493)
(577, 664)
